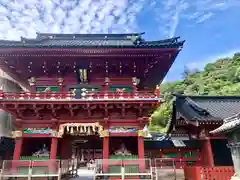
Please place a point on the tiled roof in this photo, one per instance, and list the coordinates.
(207, 107)
(230, 124)
(204, 108)
(46, 40)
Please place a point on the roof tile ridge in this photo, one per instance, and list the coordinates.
(196, 106)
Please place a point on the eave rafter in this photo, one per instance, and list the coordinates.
(40, 111)
(72, 108)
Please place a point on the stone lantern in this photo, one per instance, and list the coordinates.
(231, 128)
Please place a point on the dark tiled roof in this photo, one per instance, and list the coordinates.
(47, 40)
(204, 108)
(207, 107)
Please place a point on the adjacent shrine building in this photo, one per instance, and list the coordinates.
(195, 116)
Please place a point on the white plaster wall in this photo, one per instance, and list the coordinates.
(5, 118)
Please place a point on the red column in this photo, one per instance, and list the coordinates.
(141, 153)
(53, 151)
(18, 148)
(105, 147)
(105, 153)
(207, 155)
(140, 147)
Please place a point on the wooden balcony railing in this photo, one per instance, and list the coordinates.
(84, 96)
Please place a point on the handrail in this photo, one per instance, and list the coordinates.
(54, 168)
(68, 95)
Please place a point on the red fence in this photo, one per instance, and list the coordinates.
(204, 173)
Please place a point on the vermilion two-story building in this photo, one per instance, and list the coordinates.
(90, 95)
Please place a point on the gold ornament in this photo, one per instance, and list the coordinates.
(16, 134)
(104, 133)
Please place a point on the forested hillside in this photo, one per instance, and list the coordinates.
(219, 78)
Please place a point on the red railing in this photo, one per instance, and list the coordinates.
(67, 95)
(178, 163)
(209, 173)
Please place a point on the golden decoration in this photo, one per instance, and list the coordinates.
(16, 134)
(85, 75)
(142, 133)
(79, 128)
(104, 133)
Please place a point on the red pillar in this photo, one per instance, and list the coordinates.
(207, 155)
(18, 148)
(53, 151)
(105, 147)
(141, 153)
(105, 153)
(140, 147)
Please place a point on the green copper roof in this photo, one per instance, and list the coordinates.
(134, 40)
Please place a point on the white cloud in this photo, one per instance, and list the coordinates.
(204, 17)
(25, 17)
(201, 64)
(199, 11)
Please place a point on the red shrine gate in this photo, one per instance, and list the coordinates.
(91, 85)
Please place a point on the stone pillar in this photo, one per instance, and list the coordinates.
(53, 150)
(235, 151)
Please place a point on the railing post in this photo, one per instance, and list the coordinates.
(123, 172)
(29, 173)
(2, 170)
(156, 172)
(59, 173)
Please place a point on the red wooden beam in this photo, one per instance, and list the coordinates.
(36, 135)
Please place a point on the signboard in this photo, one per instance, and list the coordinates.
(47, 131)
(122, 129)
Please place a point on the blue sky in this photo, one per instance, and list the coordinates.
(210, 27)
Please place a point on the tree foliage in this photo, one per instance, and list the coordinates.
(219, 78)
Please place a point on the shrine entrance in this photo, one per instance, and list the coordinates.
(86, 149)
(81, 142)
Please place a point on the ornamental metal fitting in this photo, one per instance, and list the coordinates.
(107, 80)
(60, 81)
(32, 81)
(134, 81)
